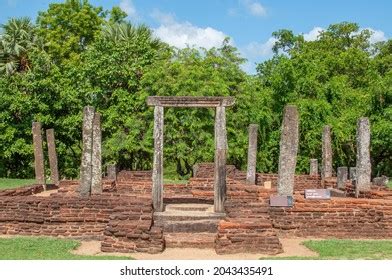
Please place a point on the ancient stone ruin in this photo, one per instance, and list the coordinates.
(220, 207)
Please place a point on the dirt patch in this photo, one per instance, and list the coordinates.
(45, 193)
(291, 247)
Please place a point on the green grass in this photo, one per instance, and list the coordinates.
(389, 185)
(170, 181)
(44, 248)
(6, 183)
(346, 250)
(170, 176)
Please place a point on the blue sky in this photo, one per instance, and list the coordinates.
(248, 22)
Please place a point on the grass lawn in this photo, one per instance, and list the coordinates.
(346, 250)
(44, 248)
(6, 183)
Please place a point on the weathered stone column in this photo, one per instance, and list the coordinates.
(342, 177)
(96, 172)
(353, 174)
(363, 169)
(326, 171)
(38, 154)
(252, 154)
(313, 167)
(111, 170)
(54, 171)
(86, 165)
(157, 172)
(220, 160)
(288, 150)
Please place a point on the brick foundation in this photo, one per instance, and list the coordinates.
(122, 216)
(23, 191)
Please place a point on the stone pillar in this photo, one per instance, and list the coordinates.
(96, 159)
(111, 170)
(157, 172)
(54, 171)
(86, 165)
(353, 174)
(326, 171)
(313, 167)
(38, 154)
(342, 177)
(252, 155)
(363, 155)
(288, 150)
(220, 160)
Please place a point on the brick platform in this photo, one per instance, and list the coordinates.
(122, 216)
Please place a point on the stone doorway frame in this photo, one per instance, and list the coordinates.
(220, 103)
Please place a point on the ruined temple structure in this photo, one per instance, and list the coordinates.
(220, 207)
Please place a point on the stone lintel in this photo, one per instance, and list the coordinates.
(190, 101)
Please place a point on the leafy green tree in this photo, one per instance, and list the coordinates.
(189, 133)
(117, 15)
(330, 80)
(69, 27)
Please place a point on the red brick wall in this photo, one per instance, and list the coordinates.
(247, 227)
(23, 191)
(105, 216)
(134, 175)
(338, 217)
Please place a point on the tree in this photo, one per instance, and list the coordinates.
(18, 38)
(117, 15)
(330, 80)
(69, 27)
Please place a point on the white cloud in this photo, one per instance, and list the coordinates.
(254, 8)
(128, 7)
(255, 49)
(377, 35)
(313, 34)
(256, 52)
(182, 34)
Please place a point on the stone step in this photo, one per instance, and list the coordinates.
(190, 240)
(197, 226)
(187, 216)
(190, 207)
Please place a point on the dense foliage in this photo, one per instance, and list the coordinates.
(77, 54)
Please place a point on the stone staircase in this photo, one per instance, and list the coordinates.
(189, 225)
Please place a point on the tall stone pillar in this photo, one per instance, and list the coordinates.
(86, 165)
(220, 160)
(313, 167)
(363, 169)
(342, 177)
(252, 155)
(353, 174)
(38, 154)
(288, 150)
(111, 170)
(157, 172)
(96, 158)
(326, 171)
(54, 171)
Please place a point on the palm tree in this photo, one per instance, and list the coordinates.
(125, 31)
(16, 40)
